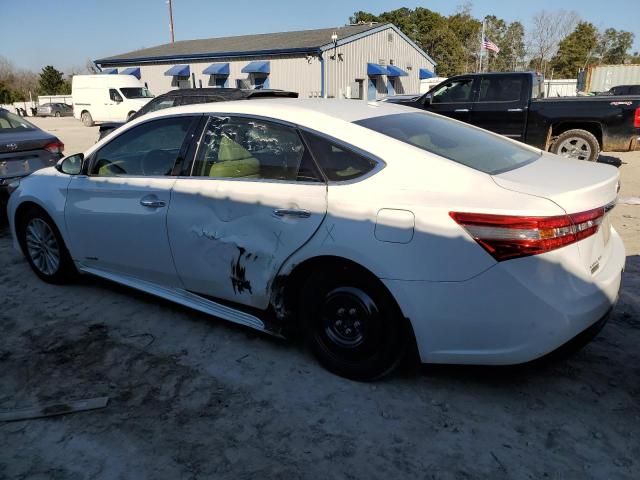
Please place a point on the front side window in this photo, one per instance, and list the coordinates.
(457, 91)
(150, 149)
(500, 89)
(337, 162)
(114, 95)
(136, 92)
(246, 148)
(455, 141)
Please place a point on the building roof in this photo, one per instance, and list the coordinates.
(250, 45)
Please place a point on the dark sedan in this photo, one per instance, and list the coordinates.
(191, 96)
(24, 148)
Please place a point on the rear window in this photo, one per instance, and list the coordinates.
(449, 139)
(10, 122)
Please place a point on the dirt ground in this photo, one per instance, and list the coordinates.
(193, 397)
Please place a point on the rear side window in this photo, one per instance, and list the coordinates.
(246, 148)
(500, 89)
(453, 140)
(337, 162)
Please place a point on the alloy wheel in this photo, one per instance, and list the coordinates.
(575, 148)
(42, 246)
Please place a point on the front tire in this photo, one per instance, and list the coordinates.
(57, 114)
(44, 247)
(352, 324)
(577, 144)
(87, 119)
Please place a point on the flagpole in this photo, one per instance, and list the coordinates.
(481, 43)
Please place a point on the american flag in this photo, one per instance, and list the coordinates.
(489, 45)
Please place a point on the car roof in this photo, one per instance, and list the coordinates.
(230, 93)
(298, 111)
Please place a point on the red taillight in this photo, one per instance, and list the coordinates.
(54, 147)
(509, 236)
(636, 118)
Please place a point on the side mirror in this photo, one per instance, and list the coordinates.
(428, 99)
(71, 165)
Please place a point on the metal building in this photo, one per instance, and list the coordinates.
(355, 61)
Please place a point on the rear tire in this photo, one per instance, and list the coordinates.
(44, 247)
(57, 114)
(87, 119)
(577, 144)
(352, 324)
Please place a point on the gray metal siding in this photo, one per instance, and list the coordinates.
(603, 77)
(295, 73)
(375, 48)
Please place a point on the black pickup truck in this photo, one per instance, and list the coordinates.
(511, 104)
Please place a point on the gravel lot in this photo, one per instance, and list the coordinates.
(194, 397)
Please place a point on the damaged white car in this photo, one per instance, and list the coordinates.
(370, 228)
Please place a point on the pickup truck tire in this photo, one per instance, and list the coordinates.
(87, 119)
(577, 144)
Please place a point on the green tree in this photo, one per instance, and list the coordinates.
(51, 81)
(614, 45)
(6, 95)
(575, 51)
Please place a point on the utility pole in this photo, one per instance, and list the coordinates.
(171, 21)
(481, 46)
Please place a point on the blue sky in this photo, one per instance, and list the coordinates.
(67, 32)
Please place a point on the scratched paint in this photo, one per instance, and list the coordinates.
(239, 273)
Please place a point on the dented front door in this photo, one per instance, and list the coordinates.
(254, 198)
(229, 238)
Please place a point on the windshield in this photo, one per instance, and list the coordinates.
(453, 140)
(136, 92)
(10, 122)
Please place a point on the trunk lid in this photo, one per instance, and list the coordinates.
(576, 186)
(16, 141)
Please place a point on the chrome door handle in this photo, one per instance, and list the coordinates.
(461, 110)
(514, 110)
(291, 212)
(152, 203)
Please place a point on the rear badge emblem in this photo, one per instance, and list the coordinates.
(12, 146)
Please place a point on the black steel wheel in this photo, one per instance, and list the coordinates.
(352, 324)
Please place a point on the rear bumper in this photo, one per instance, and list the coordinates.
(513, 313)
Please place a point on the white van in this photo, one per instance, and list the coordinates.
(107, 98)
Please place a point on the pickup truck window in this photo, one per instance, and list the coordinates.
(500, 89)
(457, 91)
(472, 147)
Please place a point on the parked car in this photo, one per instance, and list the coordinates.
(107, 98)
(191, 96)
(370, 228)
(54, 110)
(24, 148)
(623, 90)
(510, 104)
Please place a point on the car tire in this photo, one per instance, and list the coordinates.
(577, 144)
(57, 114)
(44, 247)
(352, 324)
(87, 119)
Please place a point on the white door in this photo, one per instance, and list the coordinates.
(116, 216)
(254, 198)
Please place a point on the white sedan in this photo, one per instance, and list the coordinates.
(373, 229)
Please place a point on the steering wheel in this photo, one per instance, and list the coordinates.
(157, 163)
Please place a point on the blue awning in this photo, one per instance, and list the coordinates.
(393, 71)
(109, 71)
(217, 69)
(257, 67)
(135, 71)
(426, 73)
(178, 71)
(375, 69)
